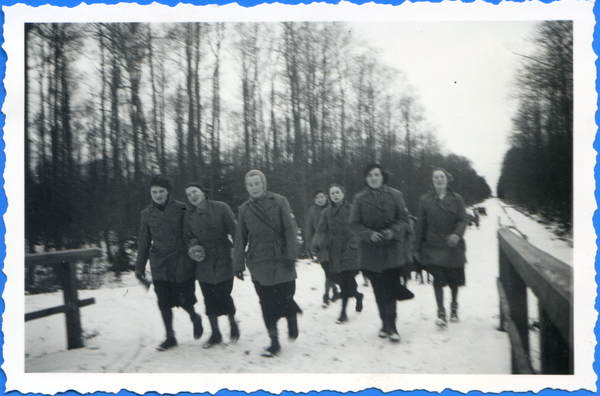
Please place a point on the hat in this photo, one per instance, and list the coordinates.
(162, 181)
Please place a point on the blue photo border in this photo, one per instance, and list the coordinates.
(250, 3)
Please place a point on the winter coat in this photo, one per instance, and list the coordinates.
(337, 240)
(436, 221)
(379, 210)
(312, 221)
(267, 226)
(209, 227)
(161, 240)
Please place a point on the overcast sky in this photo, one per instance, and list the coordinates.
(462, 73)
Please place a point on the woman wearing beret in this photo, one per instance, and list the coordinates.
(380, 220)
(207, 229)
(266, 226)
(161, 241)
(341, 245)
(441, 224)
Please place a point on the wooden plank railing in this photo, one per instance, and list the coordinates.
(67, 273)
(524, 266)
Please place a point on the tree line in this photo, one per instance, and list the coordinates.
(110, 105)
(537, 171)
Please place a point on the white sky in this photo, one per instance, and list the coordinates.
(462, 73)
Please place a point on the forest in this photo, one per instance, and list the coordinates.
(107, 106)
(537, 171)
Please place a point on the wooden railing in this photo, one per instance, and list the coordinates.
(67, 273)
(523, 266)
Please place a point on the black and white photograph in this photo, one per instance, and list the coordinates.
(300, 197)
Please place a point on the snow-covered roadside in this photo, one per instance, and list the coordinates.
(124, 326)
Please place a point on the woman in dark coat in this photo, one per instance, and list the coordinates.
(380, 220)
(441, 224)
(206, 230)
(312, 220)
(161, 240)
(335, 237)
(266, 224)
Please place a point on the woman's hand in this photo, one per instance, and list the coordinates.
(376, 237)
(453, 240)
(388, 234)
(197, 253)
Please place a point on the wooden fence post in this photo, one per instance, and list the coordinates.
(68, 274)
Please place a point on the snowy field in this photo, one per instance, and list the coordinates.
(124, 326)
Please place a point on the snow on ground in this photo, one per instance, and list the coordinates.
(124, 326)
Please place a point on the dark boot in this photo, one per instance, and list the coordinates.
(169, 343)
(274, 349)
(198, 329)
(336, 295)
(359, 301)
(215, 337)
(293, 331)
(454, 312)
(390, 314)
(234, 333)
(441, 321)
(383, 333)
(343, 317)
(325, 300)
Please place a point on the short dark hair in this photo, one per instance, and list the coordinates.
(319, 191)
(448, 174)
(386, 175)
(200, 186)
(338, 186)
(162, 181)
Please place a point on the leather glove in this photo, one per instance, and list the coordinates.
(453, 240)
(239, 275)
(197, 253)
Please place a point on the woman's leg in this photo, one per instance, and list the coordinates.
(454, 304)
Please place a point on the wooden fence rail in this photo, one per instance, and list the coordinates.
(67, 273)
(523, 266)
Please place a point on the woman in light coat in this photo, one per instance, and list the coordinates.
(341, 245)
(207, 228)
(441, 224)
(380, 220)
(266, 225)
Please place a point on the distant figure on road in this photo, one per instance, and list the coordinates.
(341, 245)
(312, 220)
(206, 230)
(266, 225)
(161, 240)
(380, 220)
(441, 224)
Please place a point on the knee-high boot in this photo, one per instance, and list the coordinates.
(383, 333)
(215, 337)
(343, 317)
(293, 331)
(390, 315)
(234, 333)
(274, 349)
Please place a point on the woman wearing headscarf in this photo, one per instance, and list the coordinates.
(266, 225)
(207, 228)
(312, 220)
(161, 241)
(341, 245)
(380, 220)
(441, 224)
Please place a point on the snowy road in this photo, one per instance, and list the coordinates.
(124, 326)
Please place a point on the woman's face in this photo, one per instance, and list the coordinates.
(195, 195)
(321, 199)
(375, 178)
(440, 181)
(336, 194)
(159, 194)
(255, 186)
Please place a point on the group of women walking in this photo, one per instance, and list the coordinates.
(374, 235)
